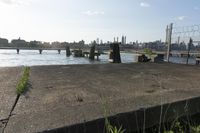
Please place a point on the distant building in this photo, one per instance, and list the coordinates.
(97, 41)
(45, 45)
(123, 40)
(81, 43)
(3, 42)
(19, 43)
(101, 42)
(55, 44)
(34, 43)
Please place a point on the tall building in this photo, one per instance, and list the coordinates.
(122, 39)
(97, 40)
(125, 40)
(101, 42)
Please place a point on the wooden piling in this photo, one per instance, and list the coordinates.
(111, 56)
(86, 54)
(98, 57)
(92, 52)
(115, 53)
(40, 51)
(197, 60)
(68, 53)
(97, 54)
(59, 51)
(17, 51)
(78, 53)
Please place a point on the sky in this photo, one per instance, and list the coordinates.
(75, 20)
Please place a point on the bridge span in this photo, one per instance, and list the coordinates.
(31, 48)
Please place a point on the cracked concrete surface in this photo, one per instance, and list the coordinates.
(67, 95)
(8, 80)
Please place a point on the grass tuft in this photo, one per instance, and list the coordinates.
(22, 85)
(113, 129)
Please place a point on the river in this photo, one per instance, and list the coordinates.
(10, 58)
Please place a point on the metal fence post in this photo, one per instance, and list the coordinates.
(169, 39)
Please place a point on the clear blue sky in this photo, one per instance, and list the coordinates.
(73, 20)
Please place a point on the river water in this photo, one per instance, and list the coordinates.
(9, 58)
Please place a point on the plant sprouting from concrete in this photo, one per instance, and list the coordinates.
(195, 129)
(109, 127)
(113, 129)
(22, 84)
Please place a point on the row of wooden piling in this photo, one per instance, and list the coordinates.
(114, 55)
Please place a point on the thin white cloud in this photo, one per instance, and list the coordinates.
(15, 2)
(181, 18)
(90, 13)
(144, 4)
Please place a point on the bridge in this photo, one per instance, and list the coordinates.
(32, 48)
(77, 52)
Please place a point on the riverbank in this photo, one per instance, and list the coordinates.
(60, 96)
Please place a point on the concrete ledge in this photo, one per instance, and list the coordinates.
(72, 95)
(139, 119)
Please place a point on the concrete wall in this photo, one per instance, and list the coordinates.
(139, 119)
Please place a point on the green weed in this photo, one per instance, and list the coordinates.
(195, 129)
(22, 85)
(113, 129)
(148, 51)
(109, 127)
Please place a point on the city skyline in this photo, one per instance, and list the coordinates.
(74, 20)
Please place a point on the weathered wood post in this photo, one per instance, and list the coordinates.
(111, 56)
(40, 51)
(97, 54)
(59, 51)
(68, 53)
(159, 58)
(97, 57)
(115, 53)
(92, 52)
(188, 52)
(197, 60)
(17, 51)
(78, 53)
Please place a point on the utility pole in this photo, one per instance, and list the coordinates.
(169, 39)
